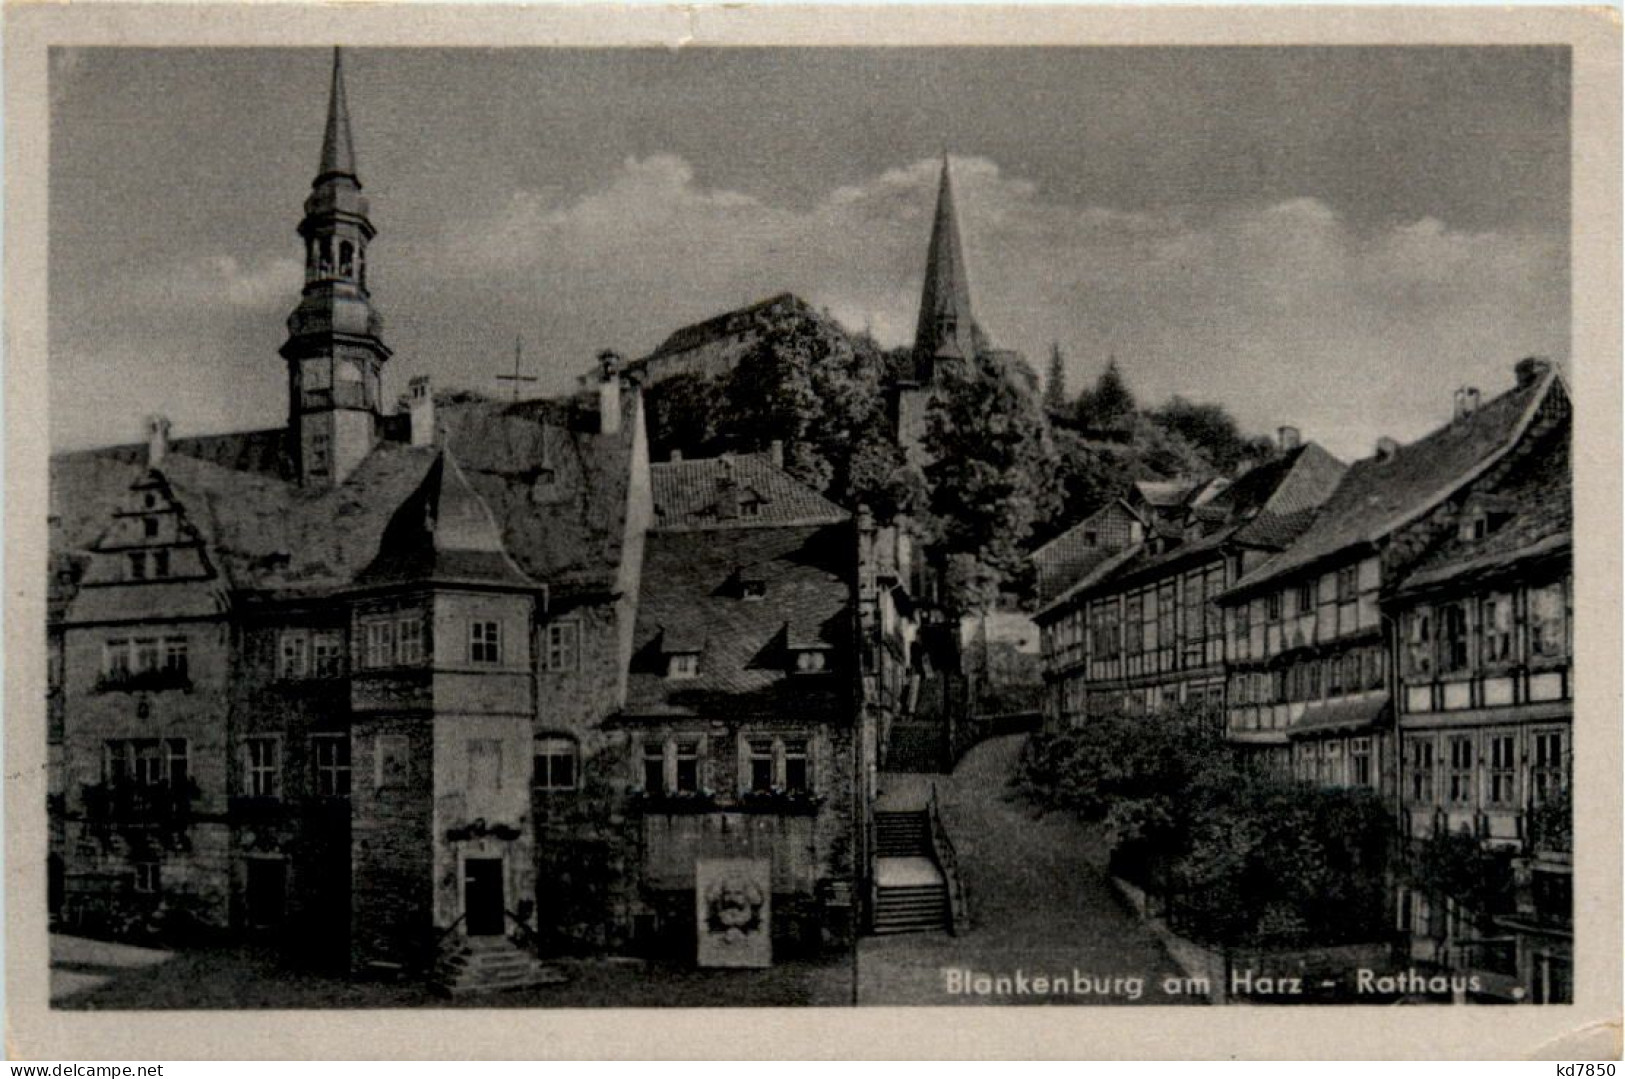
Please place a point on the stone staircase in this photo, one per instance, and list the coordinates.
(911, 894)
(902, 834)
(488, 964)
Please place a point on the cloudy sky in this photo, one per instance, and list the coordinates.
(1334, 238)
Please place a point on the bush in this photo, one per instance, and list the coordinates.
(1236, 858)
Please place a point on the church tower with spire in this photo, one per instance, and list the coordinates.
(335, 350)
(946, 331)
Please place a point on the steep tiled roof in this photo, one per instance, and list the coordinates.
(556, 486)
(1067, 557)
(1267, 506)
(443, 533)
(270, 537)
(690, 494)
(1100, 573)
(691, 600)
(239, 451)
(1378, 495)
(1538, 500)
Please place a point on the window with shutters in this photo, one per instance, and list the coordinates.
(1460, 791)
(1496, 638)
(1419, 644)
(1503, 770)
(1422, 772)
(1550, 772)
(1454, 637)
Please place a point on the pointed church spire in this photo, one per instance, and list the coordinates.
(338, 152)
(335, 350)
(946, 328)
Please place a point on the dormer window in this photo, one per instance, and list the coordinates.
(682, 665)
(752, 586)
(750, 506)
(160, 563)
(810, 661)
(138, 565)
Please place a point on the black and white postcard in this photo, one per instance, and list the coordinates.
(516, 513)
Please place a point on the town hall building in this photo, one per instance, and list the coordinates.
(447, 684)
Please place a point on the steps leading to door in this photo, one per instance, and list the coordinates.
(489, 964)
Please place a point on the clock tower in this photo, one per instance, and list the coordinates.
(335, 350)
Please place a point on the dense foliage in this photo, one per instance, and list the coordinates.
(1236, 858)
(1056, 400)
(991, 479)
(1459, 865)
(1108, 404)
(809, 385)
(1008, 468)
(1212, 431)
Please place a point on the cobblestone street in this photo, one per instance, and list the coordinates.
(1037, 905)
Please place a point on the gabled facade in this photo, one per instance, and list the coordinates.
(1064, 560)
(420, 688)
(1310, 656)
(1485, 713)
(1141, 631)
(323, 688)
(768, 656)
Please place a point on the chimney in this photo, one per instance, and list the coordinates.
(609, 392)
(1289, 438)
(1386, 448)
(420, 407)
(1530, 370)
(157, 440)
(1466, 402)
(675, 455)
(775, 452)
(727, 492)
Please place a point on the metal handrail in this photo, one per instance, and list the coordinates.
(942, 848)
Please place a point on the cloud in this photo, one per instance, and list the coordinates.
(1285, 313)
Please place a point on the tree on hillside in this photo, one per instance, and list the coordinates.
(1087, 476)
(992, 477)
(1212, 431)
(683, 414)
(1055, 399)
(1108, 404)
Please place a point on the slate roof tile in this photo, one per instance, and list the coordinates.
(688, 600)
(689, 494)
(1378, 495)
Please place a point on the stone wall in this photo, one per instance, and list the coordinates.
(391, 840)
